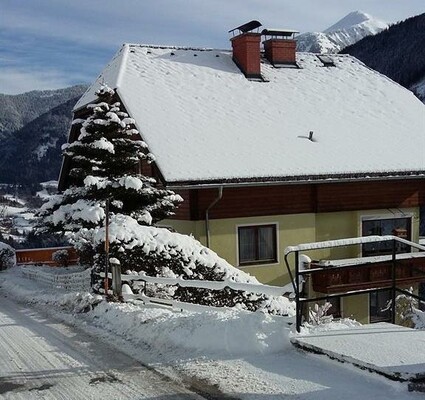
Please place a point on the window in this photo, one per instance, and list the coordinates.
(335, 309)
(422, 221)
(400, 227)
(257, 244)
(421, 294)
(378, 306)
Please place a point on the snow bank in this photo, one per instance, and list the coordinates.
(334, 325)
(228, 332)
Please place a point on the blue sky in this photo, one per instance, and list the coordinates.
(48, 44)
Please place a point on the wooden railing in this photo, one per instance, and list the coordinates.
(367, 275)
(191, 283)
(43, 256)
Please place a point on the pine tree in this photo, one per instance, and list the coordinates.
(106, 161)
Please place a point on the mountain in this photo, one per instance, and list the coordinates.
(33, 126)
(398, 52)
(18, 110)
(350, 29)
(33, 153)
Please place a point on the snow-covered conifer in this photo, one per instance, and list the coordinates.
(105, 166)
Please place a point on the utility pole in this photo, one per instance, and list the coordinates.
(106, 283)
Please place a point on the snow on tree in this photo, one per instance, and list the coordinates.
(7, 256)
(106, 161)
(61, 257)
(407, 312)
(155, 251)
(105, 164)
(319, 315)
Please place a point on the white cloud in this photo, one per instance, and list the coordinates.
(69, 36)
(15, 82)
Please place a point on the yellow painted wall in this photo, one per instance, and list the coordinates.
(356, 307)
(294, 230)
(333, 226)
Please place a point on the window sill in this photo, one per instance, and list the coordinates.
(259, 264)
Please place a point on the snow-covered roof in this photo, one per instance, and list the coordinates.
(204, 121)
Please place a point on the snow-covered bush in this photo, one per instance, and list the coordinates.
(319, 315)
(418, 319)
(159, 252)
(61, 257)
(407, 312)
(7, 256)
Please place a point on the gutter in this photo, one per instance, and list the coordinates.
(337, 179)
(207, 219)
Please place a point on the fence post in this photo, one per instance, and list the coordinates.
(105, 282)
(116, 276)
(298, 309)
(393, 286)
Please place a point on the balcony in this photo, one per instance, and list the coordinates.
(367, 273)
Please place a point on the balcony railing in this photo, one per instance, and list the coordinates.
(367, 273)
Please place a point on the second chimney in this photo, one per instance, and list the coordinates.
(280, 49)
(246, 53)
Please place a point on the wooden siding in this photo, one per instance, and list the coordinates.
(183, 212)
(369, 195)
(307, 198)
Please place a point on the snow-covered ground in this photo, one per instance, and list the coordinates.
(245, 355)
(17, 218)
(16, 221)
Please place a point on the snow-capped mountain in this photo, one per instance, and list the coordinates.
(350, 29)
(398, 52)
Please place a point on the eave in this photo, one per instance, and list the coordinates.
(296, 180)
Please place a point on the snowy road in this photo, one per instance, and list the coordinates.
(44, 358)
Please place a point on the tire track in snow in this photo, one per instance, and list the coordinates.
(43, 358)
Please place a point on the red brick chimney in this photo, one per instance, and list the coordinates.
(246, 53)
(281, 48)
(280, 51)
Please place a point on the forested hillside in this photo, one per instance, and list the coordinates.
(398, 52)
(33, 153)
(17, 110)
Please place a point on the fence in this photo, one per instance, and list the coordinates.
(200, 284)
(72, 281)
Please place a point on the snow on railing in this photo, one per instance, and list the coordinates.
(73, 281)
(212, 285)
(201, 284)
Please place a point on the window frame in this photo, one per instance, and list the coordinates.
(258, 261)
(375, 318)
(368, 218)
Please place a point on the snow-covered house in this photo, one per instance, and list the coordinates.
(271, 148)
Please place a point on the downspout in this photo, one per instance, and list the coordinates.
(207, 219)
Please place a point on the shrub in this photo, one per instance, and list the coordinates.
(61, 257)
(7, 256)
